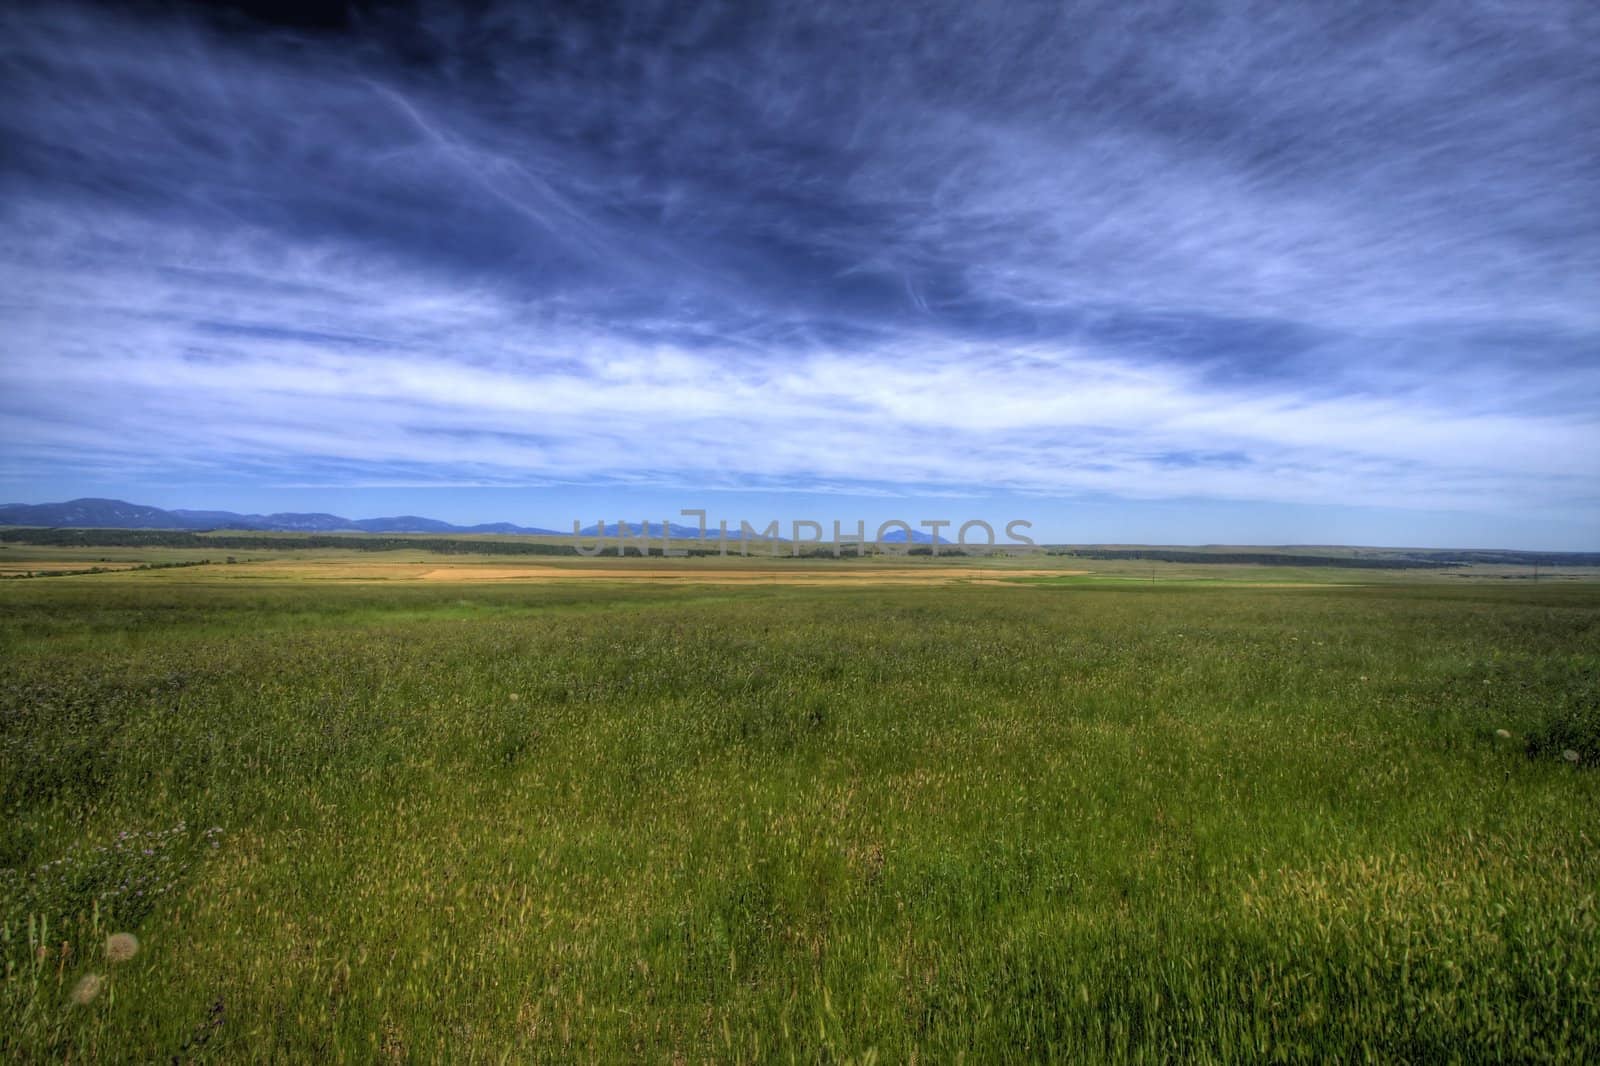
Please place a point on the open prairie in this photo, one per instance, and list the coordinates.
(712, 532)
(425, 808)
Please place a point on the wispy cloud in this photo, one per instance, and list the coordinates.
(1270, 254)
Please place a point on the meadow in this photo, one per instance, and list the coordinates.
(1089, 817)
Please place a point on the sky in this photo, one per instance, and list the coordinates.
(1134, 272)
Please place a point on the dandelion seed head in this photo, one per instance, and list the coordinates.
(87, 988)
(120, 947)
(1503, 734)
(1570, 755)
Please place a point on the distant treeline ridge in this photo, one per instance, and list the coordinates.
(1159, 555)
(1433, 560)
(172, 538)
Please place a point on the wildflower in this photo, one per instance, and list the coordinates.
(1503, 734)
(87, 988)
(1570, 755)
(120, 947)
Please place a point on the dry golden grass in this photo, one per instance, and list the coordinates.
(799, 574)
(38, 566)
(700, 571)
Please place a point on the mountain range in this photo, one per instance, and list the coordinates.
(90, 513)
(119, 514)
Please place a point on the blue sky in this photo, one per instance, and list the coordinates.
(1266, 273)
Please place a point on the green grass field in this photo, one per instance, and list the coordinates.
(1074, 819)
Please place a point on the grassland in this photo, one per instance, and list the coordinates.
(1139, 814)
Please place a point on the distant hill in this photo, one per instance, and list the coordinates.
(898, 536)
(92, 513)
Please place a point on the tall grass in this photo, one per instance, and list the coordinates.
(603, 824)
